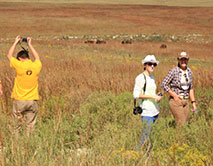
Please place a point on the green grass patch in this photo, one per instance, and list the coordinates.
(105, 132)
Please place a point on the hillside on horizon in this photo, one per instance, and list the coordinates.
(188, 3)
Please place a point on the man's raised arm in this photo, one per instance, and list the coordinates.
(12, 49)
(34, 52)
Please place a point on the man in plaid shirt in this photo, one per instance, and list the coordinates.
(178, 83)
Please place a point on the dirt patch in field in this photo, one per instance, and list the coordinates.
(42, 19)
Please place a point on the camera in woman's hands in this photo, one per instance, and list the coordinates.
(137, 110)
(160, 94)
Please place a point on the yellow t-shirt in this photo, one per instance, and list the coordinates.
(26, 80)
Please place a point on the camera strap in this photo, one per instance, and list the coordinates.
(23, 47)
(144, 89)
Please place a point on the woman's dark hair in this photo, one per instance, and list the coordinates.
(144, 66)
(23, 54)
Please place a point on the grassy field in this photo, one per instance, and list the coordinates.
(85, 112)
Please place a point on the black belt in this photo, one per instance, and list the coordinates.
(183, 97)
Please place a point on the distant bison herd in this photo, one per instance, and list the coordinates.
(95, 41)
(126, 42)
(100, 41)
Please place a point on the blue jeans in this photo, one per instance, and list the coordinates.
(148, 121)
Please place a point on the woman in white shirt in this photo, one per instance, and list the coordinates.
(148, 99)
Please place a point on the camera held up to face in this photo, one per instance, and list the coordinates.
(24, 39)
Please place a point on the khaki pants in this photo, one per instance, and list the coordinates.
(180, 110)
(24, 113)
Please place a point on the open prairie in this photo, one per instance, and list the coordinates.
(85, 108)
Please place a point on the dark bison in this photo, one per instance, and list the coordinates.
(163, 46)
(89, 41)
(126, 42)
(100, 42)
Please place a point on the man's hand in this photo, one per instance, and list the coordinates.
(18, 39)
(29, 39)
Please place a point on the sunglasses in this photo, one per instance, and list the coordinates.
(186, 77)
(150, 64)
(183, 59)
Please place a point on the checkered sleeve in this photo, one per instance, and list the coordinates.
(167, 81)
(190, 78)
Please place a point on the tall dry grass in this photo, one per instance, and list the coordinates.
(75, 114)
(75, 73)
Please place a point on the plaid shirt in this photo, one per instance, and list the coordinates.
(173, 79)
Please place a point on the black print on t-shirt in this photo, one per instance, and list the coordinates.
(29, 72)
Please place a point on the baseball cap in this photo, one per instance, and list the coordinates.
(183, 54)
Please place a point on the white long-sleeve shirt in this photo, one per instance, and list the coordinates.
(149, 106)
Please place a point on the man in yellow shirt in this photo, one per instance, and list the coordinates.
(25, 91)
